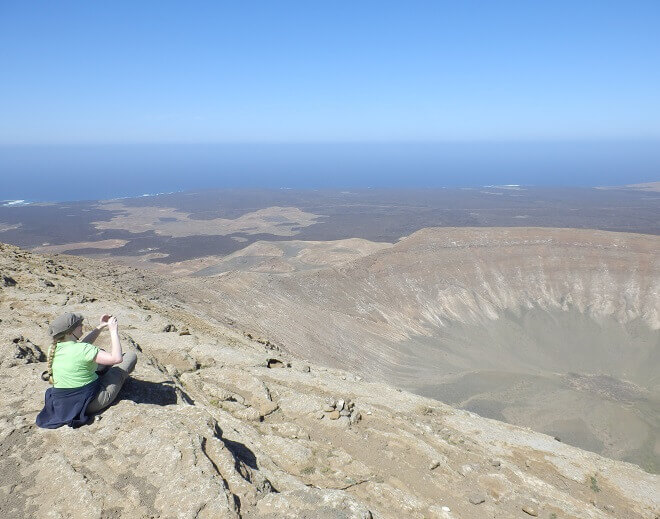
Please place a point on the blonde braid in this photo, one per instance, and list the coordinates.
(51, 357)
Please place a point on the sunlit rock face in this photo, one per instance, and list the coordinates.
(556, 329)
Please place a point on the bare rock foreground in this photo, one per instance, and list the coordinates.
(215, 424)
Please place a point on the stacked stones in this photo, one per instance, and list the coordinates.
(343, 410)
(269, 345)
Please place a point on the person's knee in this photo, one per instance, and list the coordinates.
(130, 360)
(100, 401)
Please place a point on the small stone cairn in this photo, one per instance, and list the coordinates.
(341, 409)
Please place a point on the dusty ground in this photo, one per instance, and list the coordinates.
(171, 222)
(101, 245)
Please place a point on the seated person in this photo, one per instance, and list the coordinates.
(78, 390)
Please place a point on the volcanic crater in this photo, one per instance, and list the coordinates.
(554, 329)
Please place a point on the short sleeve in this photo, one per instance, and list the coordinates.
(89, 351)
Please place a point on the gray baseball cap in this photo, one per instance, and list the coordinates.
(64, 323)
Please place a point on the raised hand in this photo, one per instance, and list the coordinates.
(104, 320)
(113, 324)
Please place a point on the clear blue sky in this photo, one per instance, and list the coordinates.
(140, 71)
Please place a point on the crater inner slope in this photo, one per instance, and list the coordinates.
(556, 329)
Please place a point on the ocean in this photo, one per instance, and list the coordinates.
(88, 172)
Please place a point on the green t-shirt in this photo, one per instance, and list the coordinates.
(73, 364)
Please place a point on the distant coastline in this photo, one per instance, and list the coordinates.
(13, 203)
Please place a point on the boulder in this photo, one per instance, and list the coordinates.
(8, 281)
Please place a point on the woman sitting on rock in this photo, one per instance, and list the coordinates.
(78, 390)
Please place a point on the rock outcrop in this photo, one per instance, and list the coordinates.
(205, 428)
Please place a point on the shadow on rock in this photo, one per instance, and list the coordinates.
(240, 451)
(145, 392)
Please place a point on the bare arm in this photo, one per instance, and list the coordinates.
(115, 357)
(92, 336)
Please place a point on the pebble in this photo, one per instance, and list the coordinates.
(334, 415)
(329, 408)
(340, 405)
(172, 370)
(530, 510)
(320, 416)
(345, 421)
(366, 515)
(446, 509)
(355, 417)
(609, 508)
(496, 463)
(345, 412)
(477, 499)
(434, 465)
(275, 363)
(465, 470)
